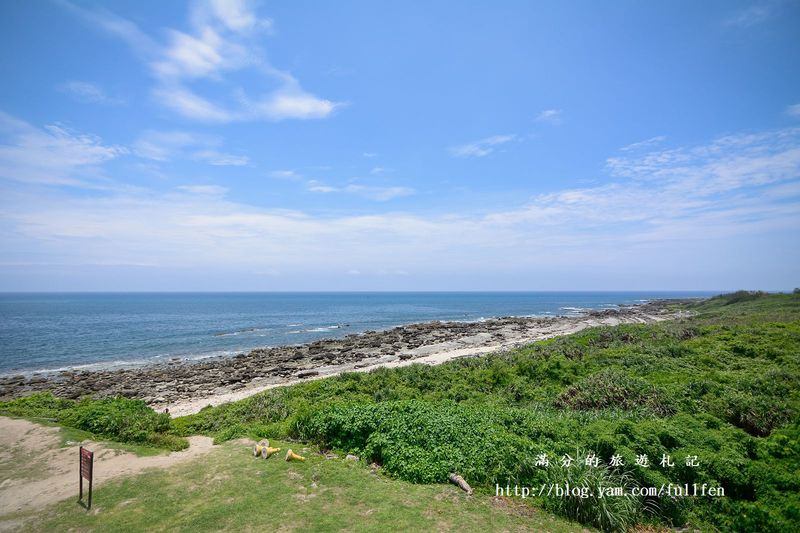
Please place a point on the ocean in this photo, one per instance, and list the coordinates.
(52, 332)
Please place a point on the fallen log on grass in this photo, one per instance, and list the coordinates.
(460, 482)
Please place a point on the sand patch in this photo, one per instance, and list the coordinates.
(30, 448)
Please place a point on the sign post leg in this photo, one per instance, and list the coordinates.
(80, 476)
(91, 482)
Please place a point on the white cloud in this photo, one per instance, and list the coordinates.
(673, 212)
(221, 159)
(646, 144)
(727, 163)
(210, 190)
(52, 155)
(224, 38)
(138, 41)
(196, 57)
(188, 104)
(793, 111)
(482, 147)
(291, 102)
(164, 145)
(316, 186)
(380, 194)
(167, 145)
(551, 116)
(236, 15)
(370, 154)
(86, 92)
(285, 175)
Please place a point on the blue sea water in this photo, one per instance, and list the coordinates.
(41, 331)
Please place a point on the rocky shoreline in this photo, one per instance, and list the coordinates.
(201, 382)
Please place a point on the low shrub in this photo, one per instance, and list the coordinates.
(740, 296)
(756, 414)
(419, 441)
(118, 419)
(614, 389)
(37, 405)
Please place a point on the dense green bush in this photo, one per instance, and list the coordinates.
(37, 405)
(118, 419)
(420, 441)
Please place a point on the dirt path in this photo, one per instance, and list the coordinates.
(36, 471)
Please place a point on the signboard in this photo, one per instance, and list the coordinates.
(86, 468)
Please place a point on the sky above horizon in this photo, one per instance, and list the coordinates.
(227, 145)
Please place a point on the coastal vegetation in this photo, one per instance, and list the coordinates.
(118, 419)
(720, 385)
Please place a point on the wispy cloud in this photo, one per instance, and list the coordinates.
(286, 175)
(318, 186)
(728, 163)
(224, 38)
(482, 147)
(209, 190)
(380, 194)
(166, 145)
(236, 15)
(377, 193)
(221, 159)
(658, 208)
(751, 15)
(551, 116)
(53, 155)
(89, 93)
(793, 111)
(646, 144)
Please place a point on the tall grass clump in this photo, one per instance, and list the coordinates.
(612, 388)
(586, 502)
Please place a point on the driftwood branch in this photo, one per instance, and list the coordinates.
(460, 482)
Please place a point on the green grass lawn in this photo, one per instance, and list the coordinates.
(231, 490)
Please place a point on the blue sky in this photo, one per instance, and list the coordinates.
(227, 145)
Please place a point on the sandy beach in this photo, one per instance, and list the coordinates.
(185, 387)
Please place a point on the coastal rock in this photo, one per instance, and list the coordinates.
(169, 382)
